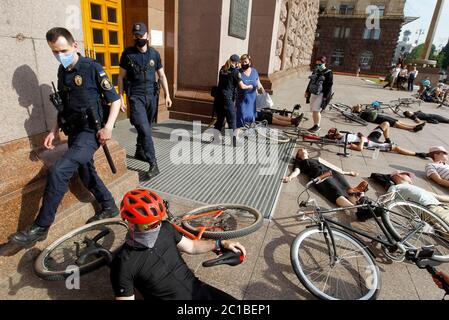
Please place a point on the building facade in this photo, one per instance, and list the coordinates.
(359, 33)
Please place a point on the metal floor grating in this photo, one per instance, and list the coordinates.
(211, 183)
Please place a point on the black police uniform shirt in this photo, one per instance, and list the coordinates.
(141, 68)
(157, 273)
(228, 81)
(83, 87)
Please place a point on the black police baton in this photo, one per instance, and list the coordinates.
(97, 127)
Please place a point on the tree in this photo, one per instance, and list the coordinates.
(417, 53)
(443, 57)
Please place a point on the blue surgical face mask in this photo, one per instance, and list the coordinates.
(320, 67)
(66, 59)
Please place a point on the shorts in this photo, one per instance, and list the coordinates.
(376, 134)
(383, 118)
(386, 147)
(265, 116)
(316, 101)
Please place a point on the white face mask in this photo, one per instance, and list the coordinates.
(145, 239)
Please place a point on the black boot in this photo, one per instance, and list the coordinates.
(153, 171)
(106, 213)
(140, 153)
(30, 236)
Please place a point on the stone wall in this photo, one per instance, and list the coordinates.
(296, 34)
(28, 65)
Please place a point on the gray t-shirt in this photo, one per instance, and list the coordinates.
(415, 194)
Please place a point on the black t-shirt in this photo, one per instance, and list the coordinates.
(311, 167)
(157, 273)
(228, 81)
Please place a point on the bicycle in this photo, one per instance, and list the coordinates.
(346, 111)
(333, 263)
(92, 246)
(260, 128)
(445, 101)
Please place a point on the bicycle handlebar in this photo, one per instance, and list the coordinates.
(229, 257)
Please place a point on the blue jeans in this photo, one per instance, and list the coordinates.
(143, 111)
(82, 147)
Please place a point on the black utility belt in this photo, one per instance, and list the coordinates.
(73, 123)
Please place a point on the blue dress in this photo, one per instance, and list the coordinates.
(246, 99)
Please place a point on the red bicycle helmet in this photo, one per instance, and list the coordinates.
(141, 206)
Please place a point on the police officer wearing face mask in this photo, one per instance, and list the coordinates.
(82, 84)
(139, 65)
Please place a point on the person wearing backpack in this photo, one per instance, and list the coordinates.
(319, 91)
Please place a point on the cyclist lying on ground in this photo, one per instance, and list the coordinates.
(277, 119)
(358, 142)
(335, 189)
(402, 183)
(438, 170)
(150, 260)
(374, 116)
(429, 117)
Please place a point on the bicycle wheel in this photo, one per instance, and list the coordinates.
(403, 217)
(353, 276)
(273, 134)
(355, 118)
(54, 260)
(235, 221)
(343, 107)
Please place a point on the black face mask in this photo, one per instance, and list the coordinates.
(141, 42)
(245, 66)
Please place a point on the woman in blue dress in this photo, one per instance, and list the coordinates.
(246, 99)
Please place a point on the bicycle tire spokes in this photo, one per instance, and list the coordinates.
(221, 220)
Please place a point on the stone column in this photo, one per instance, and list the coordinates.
(431, 34)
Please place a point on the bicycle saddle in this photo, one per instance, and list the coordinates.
(228, 257)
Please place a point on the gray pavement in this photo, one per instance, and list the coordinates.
(267, 273)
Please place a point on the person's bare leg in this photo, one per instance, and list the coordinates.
(404, 126)
(278, 122)
(316, 118)
(404, 152)
(386, 130)
(343, 202)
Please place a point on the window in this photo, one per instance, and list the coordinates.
(366, 60)
(381, 10)
(341, 32)
(114, 59)
(371, 34)
(95, 11)
(346, 9)
(113, 37)
(337, 58)
(337, 32)
(98, 36)
(112, 15)
(100, 58)
(322, 8)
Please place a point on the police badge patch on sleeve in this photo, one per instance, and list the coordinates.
(106, 84)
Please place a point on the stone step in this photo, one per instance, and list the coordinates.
(66, 220)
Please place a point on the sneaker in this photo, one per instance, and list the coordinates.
(419, 127)
(422, 155)
(315, 128)
(106, 213)
(299, 119)
(388, 141)
(153, 171)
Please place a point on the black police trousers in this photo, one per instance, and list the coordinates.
(143, 111)
(225, 110)
(79, 157)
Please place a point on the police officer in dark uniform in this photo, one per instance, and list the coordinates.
(138, 67)
(228, 80)
(82, 84)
